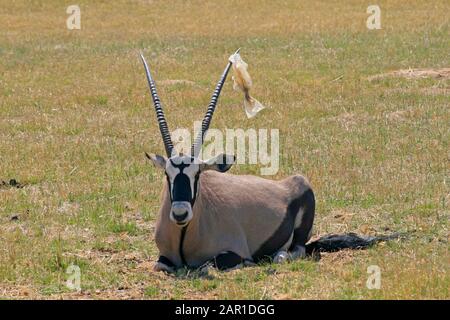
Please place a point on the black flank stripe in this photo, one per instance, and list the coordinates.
(284, 231)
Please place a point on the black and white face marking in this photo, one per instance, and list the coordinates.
(183, 173)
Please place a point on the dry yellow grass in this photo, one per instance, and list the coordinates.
(75, 119)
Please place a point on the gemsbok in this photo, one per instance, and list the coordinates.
(211, 217)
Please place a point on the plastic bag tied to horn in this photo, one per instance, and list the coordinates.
(243, 82)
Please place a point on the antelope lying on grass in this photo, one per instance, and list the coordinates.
(209, 216)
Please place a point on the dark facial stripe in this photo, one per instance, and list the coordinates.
(197, 176)
(168, 183)
(284, 231)
(181, 188)
(182, 165)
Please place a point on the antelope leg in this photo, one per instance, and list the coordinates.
(299, 252)
(282, 256)
(227, 260)
(164, 264)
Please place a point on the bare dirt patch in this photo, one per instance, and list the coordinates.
(442, 73)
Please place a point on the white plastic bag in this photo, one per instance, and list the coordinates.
(242, 82)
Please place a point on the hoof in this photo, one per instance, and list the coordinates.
(205, 269)
(249, 263)
(281, 257)
(159, 266)
(299, 252)
(236, 267)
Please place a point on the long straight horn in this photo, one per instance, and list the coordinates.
(165, 133)
(196, 146)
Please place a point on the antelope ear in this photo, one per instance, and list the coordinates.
(158, 161)
(221, 163)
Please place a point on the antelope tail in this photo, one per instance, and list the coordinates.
(336, 242)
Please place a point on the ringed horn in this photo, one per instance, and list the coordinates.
(163, 127)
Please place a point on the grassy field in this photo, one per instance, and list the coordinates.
(75, 120)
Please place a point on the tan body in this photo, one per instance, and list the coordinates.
(210, 217)
(232, 213)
